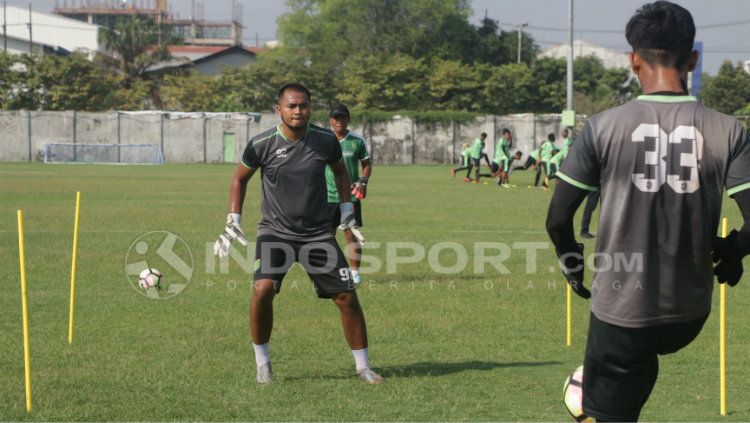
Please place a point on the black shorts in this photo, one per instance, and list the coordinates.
(323, 261)
(552, 170)
(334, 212)
(621, 365)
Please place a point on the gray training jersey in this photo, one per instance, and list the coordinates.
(662, 163)
(293, 182)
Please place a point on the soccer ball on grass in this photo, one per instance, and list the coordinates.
(150, 278)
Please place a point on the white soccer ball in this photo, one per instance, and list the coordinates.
(149, 278)
(573, 395)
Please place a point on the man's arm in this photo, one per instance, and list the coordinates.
(728, 252)
(565, 201)
(366, 167)
(232, 230)
(343, 182)
(238, 188)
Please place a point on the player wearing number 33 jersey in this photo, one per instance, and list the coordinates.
(661, 163)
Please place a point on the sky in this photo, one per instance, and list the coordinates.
(723, 25)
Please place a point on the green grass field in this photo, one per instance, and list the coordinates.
(454, 347)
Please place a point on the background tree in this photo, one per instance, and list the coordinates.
(728, 91)
(74, 83)
(136, 45)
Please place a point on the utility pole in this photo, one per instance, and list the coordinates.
(520, 37)
(570, 55)
(5, 27)
(31, 38)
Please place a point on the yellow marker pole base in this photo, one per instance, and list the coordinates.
(25, 312)
(73, 269)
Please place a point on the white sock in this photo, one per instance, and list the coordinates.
(262, 355)
(355, 273)
(361, 359)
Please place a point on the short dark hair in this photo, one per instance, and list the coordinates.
(294, 86)
(551, 137)
(506, 131)
(662, 33)
(483, 134)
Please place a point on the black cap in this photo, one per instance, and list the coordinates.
(339, 110)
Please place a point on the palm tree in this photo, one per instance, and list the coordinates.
(136, 44)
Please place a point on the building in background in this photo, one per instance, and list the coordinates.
(207, 60)
(610, 58)
(32, 31)
(194, 30)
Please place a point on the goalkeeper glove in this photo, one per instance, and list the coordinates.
(728, 256)
(231, 232)
(347, 216)
(572, 266)
(359, 188)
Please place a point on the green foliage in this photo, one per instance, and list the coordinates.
(508, 89)
(137, 44)
(16, 82)
(728, 91)
(453, 85)
(188, 93)
(416, 55)
(385, 82)
(74, 83)
(56, 83)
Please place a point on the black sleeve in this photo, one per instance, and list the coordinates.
(743, 236)
(250, 158)
(582, 166)
(738, 174)
(565, 201)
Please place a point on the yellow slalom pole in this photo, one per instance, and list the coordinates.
(25, 312)
(569, 320)
(723, 330)
(73, 268)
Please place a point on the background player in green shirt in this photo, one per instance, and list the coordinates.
(502, 157)
(354, 152)
(546, 150)
(476, 152)
(661, 163)
(465, 160)
(567, 139)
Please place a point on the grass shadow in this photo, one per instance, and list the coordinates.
(433, 369)
(430, 369)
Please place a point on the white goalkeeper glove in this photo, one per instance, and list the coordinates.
(347, 216)
(232, 231)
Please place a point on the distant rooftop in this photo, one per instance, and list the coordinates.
(193, 29)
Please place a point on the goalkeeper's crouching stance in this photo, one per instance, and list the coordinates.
(295, 225)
